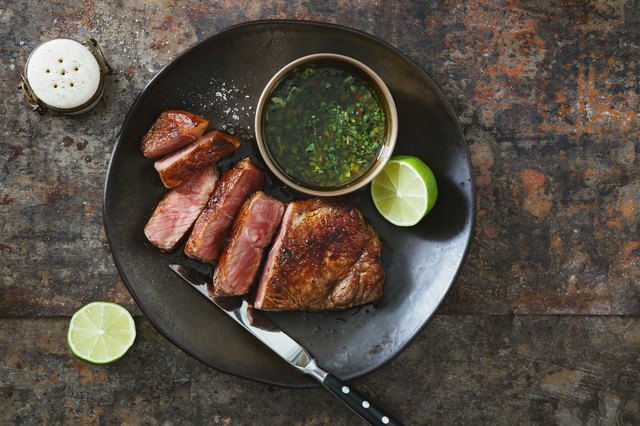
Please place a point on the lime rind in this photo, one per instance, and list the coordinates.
(101, 332)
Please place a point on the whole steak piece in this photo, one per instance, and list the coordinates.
(205, 151)
(172, 130)
(177, 211)
(211, 228)
(325, 257)
(252, 232)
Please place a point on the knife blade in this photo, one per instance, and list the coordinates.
(261, 327)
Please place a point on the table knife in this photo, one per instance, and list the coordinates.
(288, 349)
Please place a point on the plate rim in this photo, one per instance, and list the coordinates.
(311, 23)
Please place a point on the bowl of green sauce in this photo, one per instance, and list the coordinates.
(326, 124)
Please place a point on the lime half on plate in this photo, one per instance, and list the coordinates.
(404, 191)
(101, 332)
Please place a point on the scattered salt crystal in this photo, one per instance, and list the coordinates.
(227, 101)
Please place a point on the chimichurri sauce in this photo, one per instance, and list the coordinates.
(323, 126)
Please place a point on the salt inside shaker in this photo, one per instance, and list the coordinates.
(65, 76)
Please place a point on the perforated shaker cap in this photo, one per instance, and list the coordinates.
(65, 76)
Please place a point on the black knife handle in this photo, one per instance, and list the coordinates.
(359, 403)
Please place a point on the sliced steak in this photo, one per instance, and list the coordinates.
(172, 130)
(205, 151)
(325, 257)
(252, 231)
(179, 209)
(212, 226)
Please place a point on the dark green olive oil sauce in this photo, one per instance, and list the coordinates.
(323, 126)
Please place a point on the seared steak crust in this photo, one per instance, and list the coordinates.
(205, 151)
(212, 226)
(252, 231)
(325, 257)
(172, 130)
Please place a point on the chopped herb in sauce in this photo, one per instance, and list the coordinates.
(323, 126)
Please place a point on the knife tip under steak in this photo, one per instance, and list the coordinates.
(325, 257)
(212, 226)
(172, 130)
(252, 232)
(179, 209)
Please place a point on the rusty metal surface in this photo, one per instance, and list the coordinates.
(548, 97)
(498, 370)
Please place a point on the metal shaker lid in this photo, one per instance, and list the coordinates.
(65, 76)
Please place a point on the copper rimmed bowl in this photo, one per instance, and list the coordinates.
(373, 82)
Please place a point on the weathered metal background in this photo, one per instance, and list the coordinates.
(548, 94)
(489, 370)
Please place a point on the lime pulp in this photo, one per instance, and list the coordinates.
(101, 332)
(404, 191)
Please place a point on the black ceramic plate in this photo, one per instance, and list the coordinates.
(221, 78)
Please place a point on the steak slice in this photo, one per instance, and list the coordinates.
(172, 130)
(252, 231)
(179, 209)
(212, 226)
(205, 151)
(325, 257)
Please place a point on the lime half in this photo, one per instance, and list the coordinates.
(404, 191)
(101, 332)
